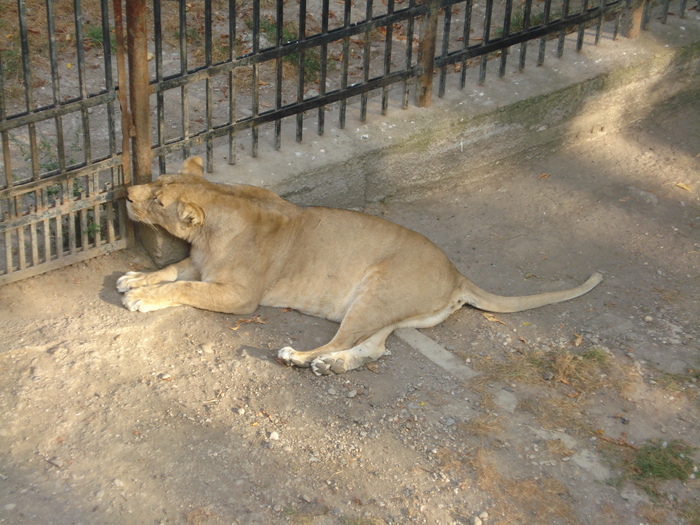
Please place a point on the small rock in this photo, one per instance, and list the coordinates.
(57, 462)
(241, 411)
(484, 516)
(548, 376)
(118, 483)
(450, 421)
(274, 436)
(331, 391)
(352, 393)
(10, 506)
(476, 520)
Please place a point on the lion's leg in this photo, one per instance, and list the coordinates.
(339, 362)
(182, 271)
(216, 297)
(334, 358)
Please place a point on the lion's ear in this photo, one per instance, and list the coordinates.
(191, 214)
(193, 166)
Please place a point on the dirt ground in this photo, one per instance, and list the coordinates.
(185, 416)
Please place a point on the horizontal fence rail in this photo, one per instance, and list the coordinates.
(96, 93)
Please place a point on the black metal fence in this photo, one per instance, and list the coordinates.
(80, 110)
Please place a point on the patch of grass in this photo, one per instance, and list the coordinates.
(93, 37)
(652, 463)
(582, 370)
(663, 461)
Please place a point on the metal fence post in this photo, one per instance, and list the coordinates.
(426, 54)
(632, 18)
(136, 17)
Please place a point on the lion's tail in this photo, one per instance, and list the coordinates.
(483, 300)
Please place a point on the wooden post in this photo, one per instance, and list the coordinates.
(426, 54)
(632, 19)
(136, 35)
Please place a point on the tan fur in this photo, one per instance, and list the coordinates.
(250, 247)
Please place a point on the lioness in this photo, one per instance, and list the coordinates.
(250, 247)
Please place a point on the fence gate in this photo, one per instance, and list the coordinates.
(62, 175)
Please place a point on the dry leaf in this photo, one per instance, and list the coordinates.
(543, 176)
(578, 339)
(255, 319)
(683, 186)
(492, 318)
(373, 367)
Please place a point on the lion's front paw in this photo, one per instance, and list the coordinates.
(143, 300)
(131, 280)
(291, 357)
(326, 364)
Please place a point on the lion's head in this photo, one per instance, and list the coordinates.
(168, 202)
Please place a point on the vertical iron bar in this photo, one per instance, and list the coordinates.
(465, 41)
(581, 29)
(279, 73)
(302, 68)
(426, 54)
(137, 44)
(232, 81)
(55, 86)
(27, 77)
(562, 33)
(599, 24)
(526, 25)
(160, 98)
(666, 4)
(109, 77)
(184, 69)
(409, 54)
(366, 50)
(80, 50)
(682, 8)
(345, 62)
(7, 162)
(387, 57)
(255, 76)
(618, 23)
(325, 9)
(208, 83)
(485, 39)
(543, 40)
(648, 6)
(445, 49)
(506, 32)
